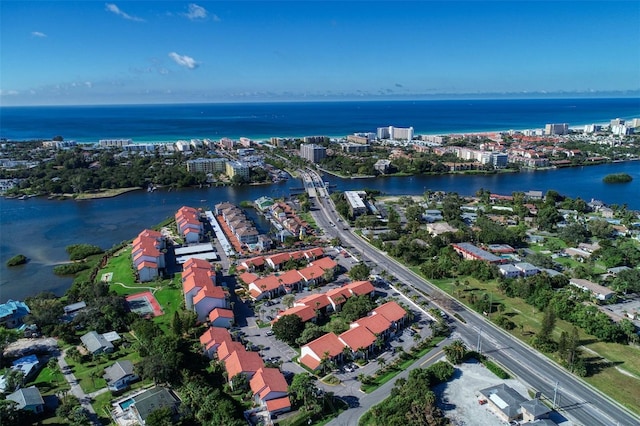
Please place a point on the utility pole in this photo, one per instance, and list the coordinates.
(555, 395)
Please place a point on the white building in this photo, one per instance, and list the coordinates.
(556, 129)
(356, 205)
(395, 133)
(313, 152)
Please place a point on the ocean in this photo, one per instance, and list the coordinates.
(158, 123)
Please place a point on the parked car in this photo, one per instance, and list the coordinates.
(270, 333)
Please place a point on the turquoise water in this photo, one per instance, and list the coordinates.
(126, 403)
(262, 120)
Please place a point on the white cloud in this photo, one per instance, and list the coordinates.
(196, 12)
(184, 60)
(110, 7)
(38, 34)
(9, 92)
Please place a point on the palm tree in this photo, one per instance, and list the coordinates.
(52, 364)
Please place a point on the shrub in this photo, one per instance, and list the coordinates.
(70, 268)
(82, 251)
(495, 369)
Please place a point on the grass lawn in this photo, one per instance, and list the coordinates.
(306, 216)
(120, 266)
(50, 382)
(171, 300)
(528, 319)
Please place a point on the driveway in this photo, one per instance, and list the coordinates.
(76, 390)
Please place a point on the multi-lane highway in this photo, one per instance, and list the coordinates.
(575, 399)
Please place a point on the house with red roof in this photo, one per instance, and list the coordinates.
(212, 338)
(242, 362)
(268, 384)
(291, 280)
(314, 352)
(277, 261)
(194, 279)
(146, 255)
(226, 348)
(313, 254)
(253, 264)
(248, 277)
(268, 286)
(189, 225)
(278, 405)
(208, 298)
(318, 301)
(312, 274)
(221, 317)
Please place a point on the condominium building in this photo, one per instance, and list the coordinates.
(234, 168)
(115, 143)
(395, 133)
(207, 165)
(313, 152)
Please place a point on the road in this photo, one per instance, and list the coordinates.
(575, 398)
(76, 390)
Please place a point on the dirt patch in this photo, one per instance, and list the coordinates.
(31, 346)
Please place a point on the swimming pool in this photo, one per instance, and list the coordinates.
(126, 403)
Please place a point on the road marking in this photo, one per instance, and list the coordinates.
(432, 357)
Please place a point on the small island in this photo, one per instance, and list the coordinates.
(18, 259)
(617, 178)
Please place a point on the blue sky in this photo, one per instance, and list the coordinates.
(96, 52)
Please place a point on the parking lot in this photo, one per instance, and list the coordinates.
(273, 350)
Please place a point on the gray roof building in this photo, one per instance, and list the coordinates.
(152, 400)
(96, 343)
(534, 410)
(505, 399)
(28, 399)
(118, 370)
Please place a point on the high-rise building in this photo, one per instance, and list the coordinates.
(499, 159)
(312, 152)
(556, 129)
(395, 133)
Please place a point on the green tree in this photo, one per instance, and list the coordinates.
(288, 300)
(160, 417)
(359, 272)
(357, 307)
(288, 328)
(303, 389)
(455, 352)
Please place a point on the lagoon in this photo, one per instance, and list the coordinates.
(41, 229)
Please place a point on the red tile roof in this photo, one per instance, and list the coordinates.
(268, 283)
(226, 348)
(339, 295)
(311, 272)
(268, 380)
(248, 277)
(290, 277)
(327, 343)
(376, 324)
(310, 362)
(278, 404)
(305, 313)
(358, 337)
(242, 361)
(325, 263)
(215, 334)
(315, 301)
(220, 313)
(391, 311)
(209, 291)
(360, 288)
(147, 264)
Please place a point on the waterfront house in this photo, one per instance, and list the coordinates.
(189, 225)
(147, 255)
(120, 375)
(12, 313)
(96, 343)
(28, 399)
